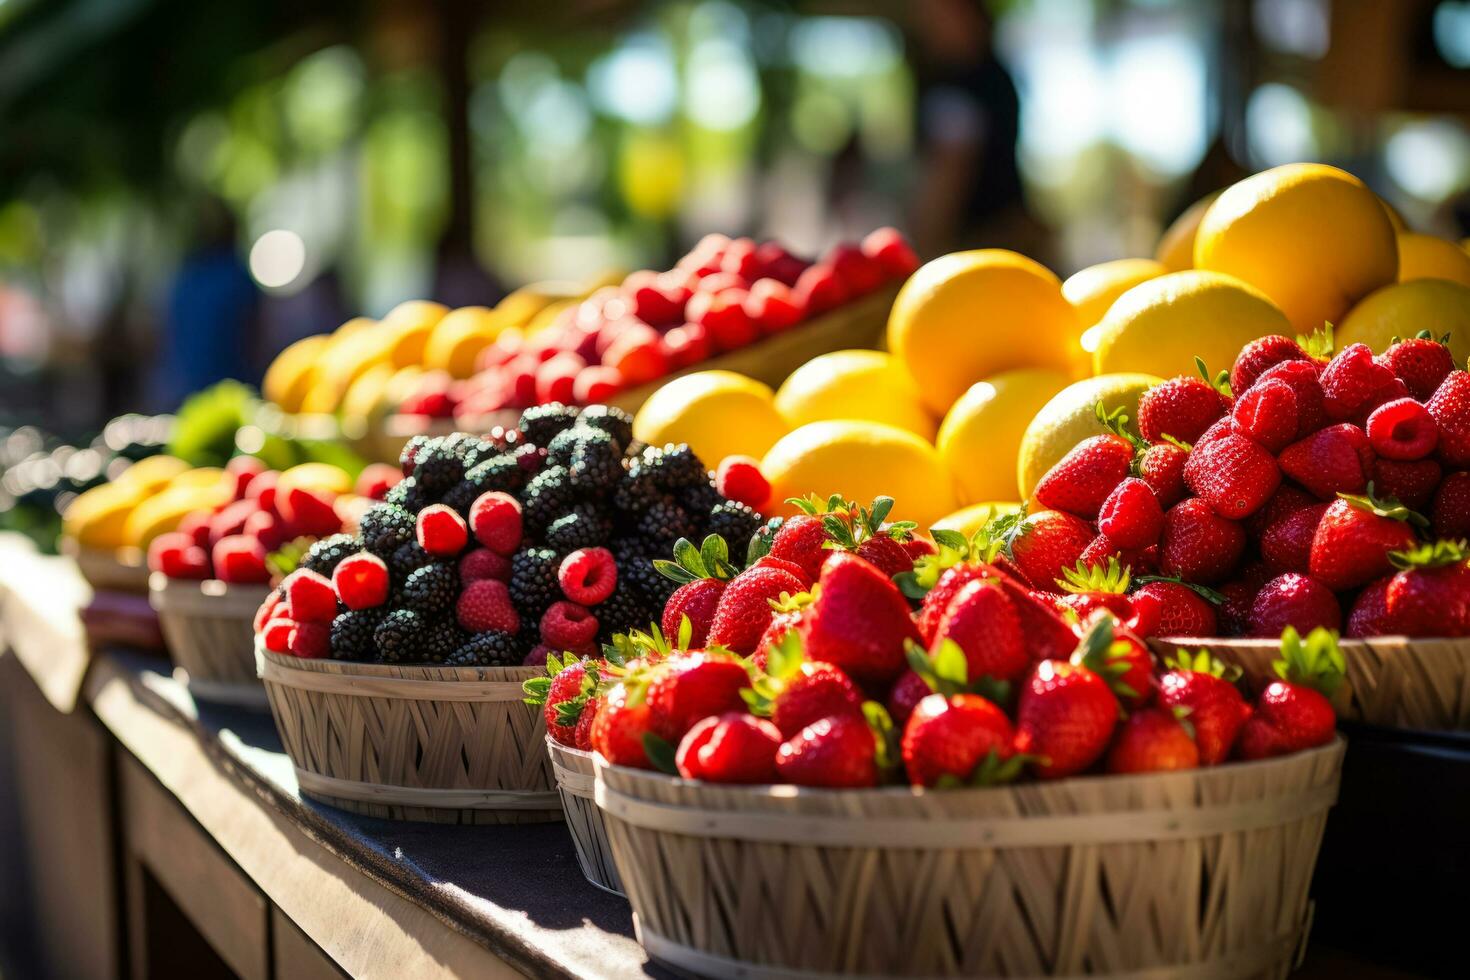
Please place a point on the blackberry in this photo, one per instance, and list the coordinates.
(384, 528)
(497, 471)
(559, 449)
(666, 522)
(673, 467)
(636, 571)
(583, 527)
(432, 589)
(597, 461)
(624, 610)
(438, 468)
(461, 497)
(635, 492)
(325, 555)
(406, 560)
(400, 492)
(477, 450)
(540, 423)
(491, 649)
(700, 498)
(533, 583)
(614, 421)
(441, 639)
(408, 458)
(736, 523)
(548, 496)
(352, 634)
(397, 636)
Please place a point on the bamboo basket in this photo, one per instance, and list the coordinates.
(427, 742)
(1199, 874)
(575, 780)
(105, 570)
(1394, 681)
(207, 627)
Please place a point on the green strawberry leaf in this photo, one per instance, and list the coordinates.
(1436, 554)
(1111, 579)
(1220, 382)
(536, 689)
(1203, 591)
(1202, 661)
(757, 701)
(686, 632)
(954, 540)
(1388, 507)
(1315, 661)
(995, 771)
(885, 736)
(674, 572)
(882, 506)
(689, 558)
(660, 753)
(784, 657)
(1319, 344)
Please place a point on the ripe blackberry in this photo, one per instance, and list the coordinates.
(614, 421)
(408, 458)
(559, 449)
(624, 610)
(582, 527)
(406, 560)
(385, 527)
(498, 471)
(325, 555)
(736, 523)
(432, 589)
(700, 498)
(352, 634)
(461, 497)
(533, 583)
(490, 649)
(477, 450)
(673, 467)
(636, 571)
(597, 461)
(440, 641)
(439, 468)
(666, 522)
(635, 492)
(548, 496)
(540, 423)
(402, 492)
(398, 635)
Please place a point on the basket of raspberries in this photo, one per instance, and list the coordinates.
(395, 670)
(909, 725)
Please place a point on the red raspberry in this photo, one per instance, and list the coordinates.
(1293, 599)
(1421, 363)
(238, 558)
(482, 563)
(277, 635)
(1199, 545)
(1412, 482)
(1258, 356)
(176, 555)
(267, 609)
(486, 605)
(441, 531)
(361, 581)
(1181, 407)
(740, 478)
(1450, 516)
(588, 575)
(1267, 414)
(568, 626)
(1450, 406)
(312, 641)
(1131, 516)
(311, 596)
(536, 656)
(496, 518)
(1351, 379)
(1162, 468)
(1303, 379)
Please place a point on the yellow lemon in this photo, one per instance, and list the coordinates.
(1162, 325)
(1427, 257)
(980, 438)
(97, 518)
(410, 324)
(718, 413)
(323, 477)
(1176, 248)
(966, 316)
(1309, 236)
(854, 384)
(968, 520)
(356, 325)
(456, 341)
(291, 374)
(1093, 291)
(154, 472)
(860, 460)
(1402, 310)
(1071, 417)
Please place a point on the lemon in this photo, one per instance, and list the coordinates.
(1176, 248)
(97, 518)
(1309, 236)
(162, 512)
(410, 324)
(854, 384)
(1394, 218)
(1162, 325)
(861, 461)
(1402, 310)
(321, 477)
(1093, 291)
(291, 374)
(968, 315)
(980, 438)
(1427, 257)
(718, 413)
(968, 520)
(456, 341)
(153, 472)
(1070, 417)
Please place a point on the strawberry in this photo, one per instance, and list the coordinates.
(687, 688)
(957, 739)
(766, 561)
(860, 621)
(1393, 390)
(310, 595)
(1450, 407)
(563, 695)
(946, 587)
(1089, 587)
(1287, 545)
(838, 752)
(1199, 545)
(1354, 538)
(908, 691)
(618, 730)
(585, 721)
(1421, 363)
(802, 541)
(1330, 461)
(1304, 380)
(814, 692)
(1081, 480)
(1267, 414)
(1402, 429)
(885, 552)
(1295, 600)
(1144, 561)
(1066, 713)
(1233, 474)
(1350, 380)
(1294, 713)
(1162, 468)
(1048, 542)
(1154, 740)
(1234, 613)
(1047, 634)
(983, 622)
(787, 618)
(733, 747)
(1203, 686)
(1287, 500)
(1450, 516)
(1184, 610)
(744, 608)
(1129, 668)
(1412, 483)
(1181, 407)
(1369, 615)
(1430, 595)
(1259, 355)
(696, 600)
(1131, 516)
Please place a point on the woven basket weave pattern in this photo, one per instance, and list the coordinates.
(575, 777)
(208, 629)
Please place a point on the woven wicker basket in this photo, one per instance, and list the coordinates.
(1393, 681)
(207, 626)
(575, 780)
(443, 744)
(123, 570)
(1199, 874)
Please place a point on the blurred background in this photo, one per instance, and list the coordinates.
(186, 187)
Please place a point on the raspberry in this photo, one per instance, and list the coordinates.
(311, 596)
(588, 575)
(1131, 516)
(267, 608)
(1402, 429)
(496, 519)
(441, 531)
(361, 581)
(239, 558)
(740, 478)
(310, 640)
(177, 556)
(482, 563)
(568, 626)
(277, 635)
(1267, 414)
(486, 605)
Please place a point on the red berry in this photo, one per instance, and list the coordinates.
(238, 558)
(1450, 516)
(311, 596)
(740, 478)
(1412, 483)
(858, 272)
(1402, 429)
(1420, 363)
(892, 252)
(496, 519)
(1153, 740)
(1198, 544)
(267, 609)
(687, 345)
(1296, 600)
(1131, 516)
(1182, 407)
(1303, 377)
(176, 555)
(1267, 414)
(819, 289)
(952, 736)
(1354, 539)
(312, 641)
(733, 747)
(697, 600)
(244, 469)
(1258, 356)
(277, 635)
(588, 575)
(595, 384)
(565, 686)
(1333, 460)
(1350, 380)
(1162, 468)
(1081, 480)
(1450, 406)
(772, 306)
(802, 541)
(482, 563)
(1287, 545)
(833, 753)
(568, 626)
(486, 605)
(1182, 611)
(377, 479)
(1369, 615)
(361, 581)
(723, 315)
(441, 531)
(1233, 474)
(307, 513)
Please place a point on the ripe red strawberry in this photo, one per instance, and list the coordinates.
(908, 691)
(1066, 713)
(734, 747)
(239, 558)
(890, 557)
(1421, 363)
(1450, 517)
(1304, 380)
(1216, 709)
(952, 737)
(1233, 614)
(1450, 406)
(1048, 542)
(1412, 483)
(785, 620)
(693, 686)
(1350, 380)
(1199, 545)
(1081, 480)
(585, 720)
(618, 729)
(698, 600)
(946, 587)
(1162, 468)
(982, 621)
(1048, 636)
(1430, 595)
(834, 753)
(569, 686)
(1354, 538)
(860, 622)
(1153, 740)
(1287, 545)
(1183, 611)
(1369, 615)
(1287, 500)
(311, 596)
(1267, 414)
(177, 556)
(1259, 355)
(744, 608)
(277, 635)
(1296, 600)
(802, 540)
(766, 561)
(1233, 474)
(1140, 561)
(813, 692)
(1128, 664)
(1330, 461)
(1402, 429)
(1294, 713)
(1131, 516)
(1181, 407)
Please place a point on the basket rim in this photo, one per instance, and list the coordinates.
(1346, 643)
(213, 588)
(440, 673)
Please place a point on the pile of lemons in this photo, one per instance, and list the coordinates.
(994, 366)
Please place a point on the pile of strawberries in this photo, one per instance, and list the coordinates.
(1302, 490)
(850, 654)
(726, 293)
